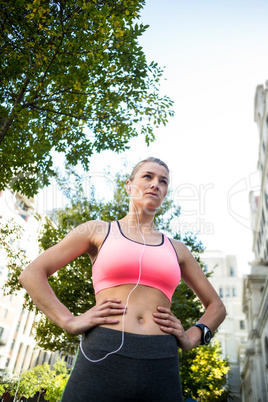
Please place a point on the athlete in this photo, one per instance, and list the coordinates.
(129, 350)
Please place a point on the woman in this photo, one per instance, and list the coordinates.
(129, 351)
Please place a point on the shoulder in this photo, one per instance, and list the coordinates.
(87, 237)
(91, 228)
(182, 251)
(93, 231)
(90, 231)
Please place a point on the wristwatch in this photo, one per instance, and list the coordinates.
(206, 333)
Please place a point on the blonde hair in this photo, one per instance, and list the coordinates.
(149, 159)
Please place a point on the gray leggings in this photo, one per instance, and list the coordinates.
(145, 369)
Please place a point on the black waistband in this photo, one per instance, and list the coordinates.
(99, 341)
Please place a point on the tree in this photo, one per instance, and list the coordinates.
(42, 380)
(3, 388)
(72, 284)
(10, 235)
(67, 283)
(56, 384)
(203, 373)
(5, 381)
(73, 79)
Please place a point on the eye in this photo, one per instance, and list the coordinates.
(147, 176)
(164, 182)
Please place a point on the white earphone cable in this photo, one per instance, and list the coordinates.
(123, 317)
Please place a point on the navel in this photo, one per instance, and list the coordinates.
(141, 320)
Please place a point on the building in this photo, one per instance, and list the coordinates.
(232, 334)
(259, 202)
(255, 292)
(18, 349)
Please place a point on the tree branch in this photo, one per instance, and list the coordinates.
(14, 112)
(61, 36)
(52, 59)
(58, 113)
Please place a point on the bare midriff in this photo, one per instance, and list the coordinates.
(143, 302)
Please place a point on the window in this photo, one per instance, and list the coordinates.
(263, 216)
(25, 355)
(44, 357)
(18, 358)
(23, 206)
(266, 199)
(70, 361)
(242, 324)
(266, 350)
(258, 245)
(221, 292)
(26, 322)
(227, 292)
(234, 294)
(232, 271)
(1, 332)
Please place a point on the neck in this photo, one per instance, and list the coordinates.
(144, 220)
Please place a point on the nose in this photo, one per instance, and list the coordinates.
(154, 186)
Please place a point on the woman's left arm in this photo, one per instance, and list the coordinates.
(215, 312)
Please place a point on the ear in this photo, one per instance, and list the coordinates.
(128, 188)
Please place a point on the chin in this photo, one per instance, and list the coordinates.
(151, 207)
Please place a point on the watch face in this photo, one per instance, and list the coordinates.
(207, 336)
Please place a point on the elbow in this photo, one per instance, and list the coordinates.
(222, 311)
(32, 276)
(21, 278)
(25, 277)
(218, 311)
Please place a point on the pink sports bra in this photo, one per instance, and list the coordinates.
(118, 263)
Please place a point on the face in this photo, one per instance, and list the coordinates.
(150, 185)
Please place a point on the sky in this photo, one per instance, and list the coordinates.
(215, 54)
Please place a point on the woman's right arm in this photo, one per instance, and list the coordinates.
(35, 280)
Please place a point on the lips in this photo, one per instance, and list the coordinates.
(153, 194)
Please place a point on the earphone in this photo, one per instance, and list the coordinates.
(132, 290)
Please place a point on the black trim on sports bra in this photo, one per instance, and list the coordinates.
(134, 241)
(174, 250)
(109, 228)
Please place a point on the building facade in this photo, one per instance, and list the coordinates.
(255, 292)
(18, 350)
(232, 334)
